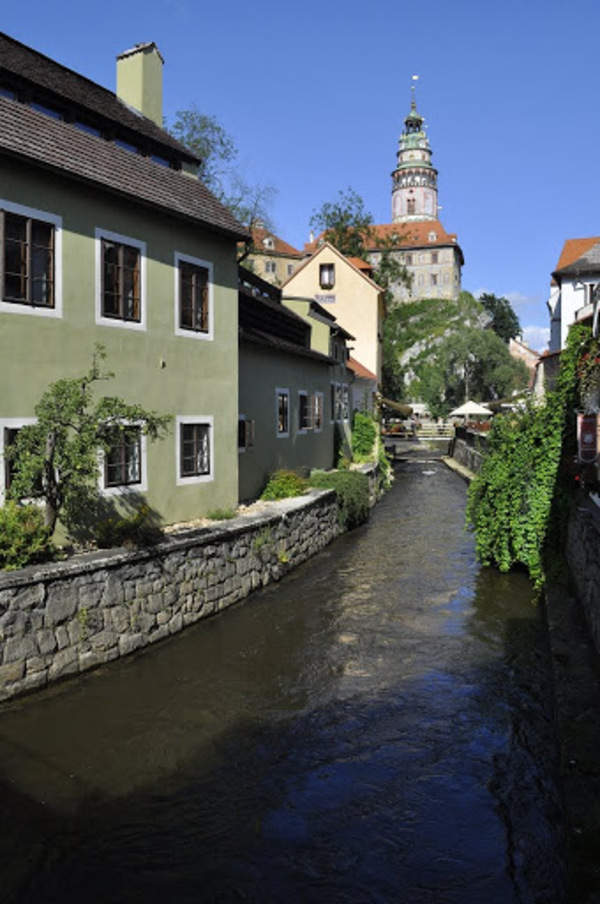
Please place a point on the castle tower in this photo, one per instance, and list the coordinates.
(414, 189)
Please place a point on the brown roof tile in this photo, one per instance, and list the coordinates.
(360, 370)
(259, 234)
(35, 138)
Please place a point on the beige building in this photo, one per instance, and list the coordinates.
(271, 258)
(349, 295)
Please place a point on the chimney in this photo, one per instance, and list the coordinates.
(139, 80)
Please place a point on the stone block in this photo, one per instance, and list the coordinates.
(62, 637)
(46, 641)
(65, 662)
(34, 680)
(113, 593)
(11, 672)
(35, 664)
(104, 640)
(154, 603)
(90, 594)
(176, 623)
(159, 634)
(120, 619)
(131, 642)
(61, 602)
(17, 648)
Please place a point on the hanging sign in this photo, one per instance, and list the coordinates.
(587, 437)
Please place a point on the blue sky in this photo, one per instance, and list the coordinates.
(315, 95)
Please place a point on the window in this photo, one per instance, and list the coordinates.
(304, 412)
(120, 281)
(434, 279)
(290, 269)
(327, 276)
(336, 402)
(9, 430)
(434, 257)
(410, 206)
(345, 404)
(270, 267)
(245, 433)
(193, 297)
(194, 450)
(283, 412)
(317, 411)
(408, 260)
(28, 266)
(123, 459)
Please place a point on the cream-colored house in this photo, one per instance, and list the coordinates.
(349, 295)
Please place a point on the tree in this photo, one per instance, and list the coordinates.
(468, 364)
(56, 459)
(219, 170)
(345, 223)
(505, 322)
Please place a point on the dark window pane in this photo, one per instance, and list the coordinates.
(195, 450)
(193, 292)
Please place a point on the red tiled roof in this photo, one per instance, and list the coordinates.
(34, 138)
(429, 233)
(360, 370)
(415, 235)
(360, 264)
(573, 249)
(259, 234)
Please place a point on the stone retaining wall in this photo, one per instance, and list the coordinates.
(583, 543)
(67, 617)
(466, 455)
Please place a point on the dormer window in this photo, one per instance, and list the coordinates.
(327, 276)
(269, 243)
(432, 236)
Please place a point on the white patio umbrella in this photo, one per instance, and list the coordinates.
(471, 409)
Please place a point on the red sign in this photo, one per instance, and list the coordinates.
(587, 437)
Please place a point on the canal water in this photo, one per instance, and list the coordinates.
(376, 727)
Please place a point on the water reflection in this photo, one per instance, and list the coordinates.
(374, 728)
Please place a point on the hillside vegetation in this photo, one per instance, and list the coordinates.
(447, 352)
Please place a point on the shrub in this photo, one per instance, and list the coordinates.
(352, 490)
(364, 433)
(24, 540)
(137, 529)
(283, 484)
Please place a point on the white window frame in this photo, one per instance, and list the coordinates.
(116, 322)
(127, 488)
(208, 336)
(9, 423)
(317, 395)
(280, 391)
(204, 420)
(9, 307)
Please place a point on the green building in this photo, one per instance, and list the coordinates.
(108, 237)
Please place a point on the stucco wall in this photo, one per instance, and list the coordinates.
(154, 367)
(68, 617)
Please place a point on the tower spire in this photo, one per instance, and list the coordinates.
(414, 189)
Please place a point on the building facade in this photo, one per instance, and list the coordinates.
(109, 238)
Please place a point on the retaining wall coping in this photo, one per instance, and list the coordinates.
(274, 512)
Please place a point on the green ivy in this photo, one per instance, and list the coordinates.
(364, 434)
(518, 504)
